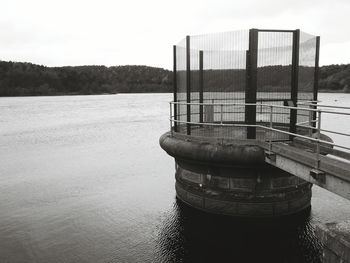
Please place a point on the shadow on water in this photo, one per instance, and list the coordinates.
(189, 235)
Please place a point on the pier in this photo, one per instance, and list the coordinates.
(246, 124)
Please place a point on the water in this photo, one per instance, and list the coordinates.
(83, 179)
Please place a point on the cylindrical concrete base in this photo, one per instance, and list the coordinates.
(246, 193)
(232, 178)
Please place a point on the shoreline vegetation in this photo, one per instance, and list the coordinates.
(27, 79)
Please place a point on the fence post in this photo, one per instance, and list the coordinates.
(251, 83)
(188, 84)
(171, 118)
(175, 88)
(201, 86)
(316, 72)
(294, 82)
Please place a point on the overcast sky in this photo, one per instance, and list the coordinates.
(111, 32)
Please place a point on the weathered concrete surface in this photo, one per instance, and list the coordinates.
(243, 192)
(336, 240)
(336, 173)
(232, 178)
(202, 151)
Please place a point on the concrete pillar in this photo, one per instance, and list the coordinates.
(233, 179)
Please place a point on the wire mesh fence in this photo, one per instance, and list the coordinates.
(254, 66)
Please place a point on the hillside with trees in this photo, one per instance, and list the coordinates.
(335, 78)
(27, 79)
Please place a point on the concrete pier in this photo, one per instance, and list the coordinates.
(245, 129)
(232, 178)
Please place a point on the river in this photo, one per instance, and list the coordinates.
(83, 179)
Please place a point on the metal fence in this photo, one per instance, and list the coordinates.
(271, 129)
(236, 73)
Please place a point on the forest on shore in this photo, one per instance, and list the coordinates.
(27, 79)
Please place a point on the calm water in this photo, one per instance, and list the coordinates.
(83, 179)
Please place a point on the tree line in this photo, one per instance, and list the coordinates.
(27, 79)
(335, 78)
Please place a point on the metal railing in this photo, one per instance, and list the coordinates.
(312, 125)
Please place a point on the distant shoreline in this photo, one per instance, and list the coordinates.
(130, 93)
(77, 94)
(333, 91)
(19, 79)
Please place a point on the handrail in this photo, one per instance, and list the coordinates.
(259, 126)
(316, 119)
(313, 103)
(256, 104)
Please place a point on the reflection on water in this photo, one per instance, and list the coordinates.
(189, 235)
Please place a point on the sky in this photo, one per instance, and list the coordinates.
(136, 32)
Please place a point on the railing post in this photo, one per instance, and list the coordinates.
(221, 122)
(188, 84)
(311, 124)
(221, 113)
(294, 82)
(171, 117)
(201, 86)
(175, 87)
(270, 142)
(251, 83)
(318, 138)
